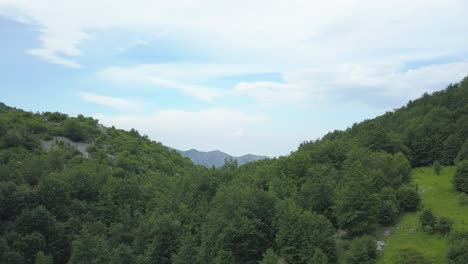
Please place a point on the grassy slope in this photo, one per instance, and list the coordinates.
(436, 193)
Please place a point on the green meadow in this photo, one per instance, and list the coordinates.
(437, 194)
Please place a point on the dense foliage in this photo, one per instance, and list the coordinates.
(73, 191)
(460, 180)
(458, 248)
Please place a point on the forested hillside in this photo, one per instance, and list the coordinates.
(104, 195)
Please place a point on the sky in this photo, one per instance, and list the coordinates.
(238, 76)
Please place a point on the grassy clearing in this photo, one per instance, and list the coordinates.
(437, 193)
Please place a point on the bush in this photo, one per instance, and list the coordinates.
(408, 198)
(444, 225)
(460, 181)
(458, 248)
(411, 256)
(362, 251)
(428, 221)
(74, 130)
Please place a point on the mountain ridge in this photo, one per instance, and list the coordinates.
(217, 158)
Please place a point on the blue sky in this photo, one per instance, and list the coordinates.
(239, 76)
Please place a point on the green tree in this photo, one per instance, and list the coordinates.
(301, 233)
(388, 207)
(52, 192)
(270, 257)
(362, 251)
(444, 225)
(122, 254)
(13, 199)
(89, 248)
(74, 130)
(463, 153)
(458, 248)
(318, 258)
(159, 238)
(356, 203)
(187, 252)
(408, 198)
(317, 196)
(241, 222)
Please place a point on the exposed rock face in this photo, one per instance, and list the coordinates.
(80, 146)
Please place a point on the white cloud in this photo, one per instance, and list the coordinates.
(112, 102)
(181, 77)
(308, 87)
(153, 78)
(284, 32)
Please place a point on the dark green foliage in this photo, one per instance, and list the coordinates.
(458, 248)
(428, 221)
(388, 207)
(432, 224)
(187, 252)
(88, 248)
(13, 199)
(301, 233)
(460, 181)
(73, 130)
(123, 254)
(362, 251)
(161, 239)
(444, 225)
(463, 153)
(318, 258)
(408, 198)
(437, 167)
(42, 259)
(356, 204)
(317, 196)
(241, 222)
(270, 257)
(55, 117)
(411, 256)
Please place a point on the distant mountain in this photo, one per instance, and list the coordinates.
(216, 158)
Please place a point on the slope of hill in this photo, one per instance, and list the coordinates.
(437, 194)
(216, 158)
(127, 199)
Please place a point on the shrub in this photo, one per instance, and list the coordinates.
(444, 225)
(408, 198)
(458, 248)
(74, 130)
(362, 251)
(428, 221)
(460, 181)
